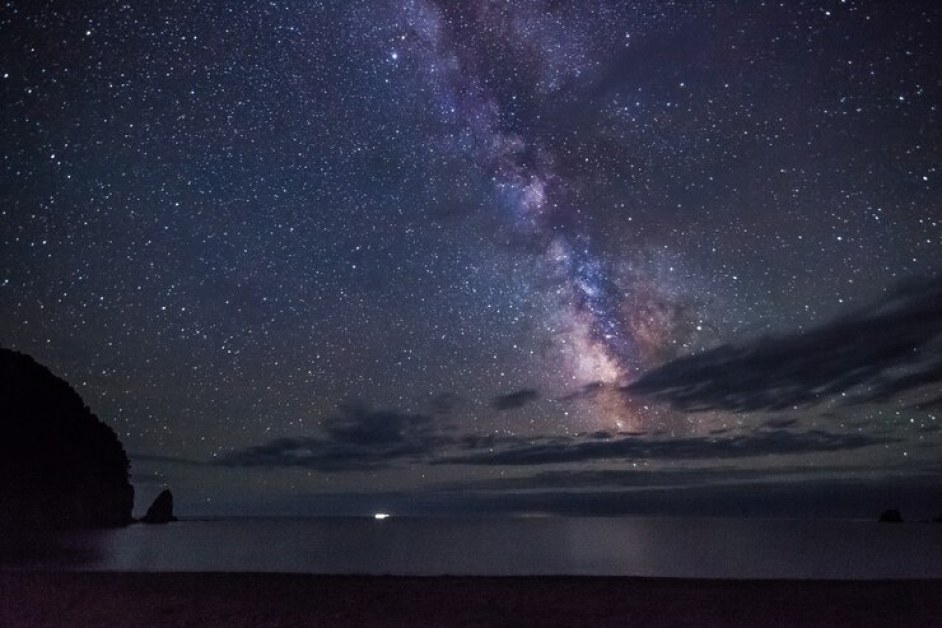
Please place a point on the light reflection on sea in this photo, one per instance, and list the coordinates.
(635, 546)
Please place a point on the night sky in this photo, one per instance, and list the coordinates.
(486, 257)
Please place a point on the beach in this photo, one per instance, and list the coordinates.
(64, 598)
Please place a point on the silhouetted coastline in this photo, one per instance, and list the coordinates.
(61, 467)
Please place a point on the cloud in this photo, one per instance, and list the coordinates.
(781, 423)
(837, 498)
(597, 447)
(445, 403)
(840, 496)
(684, 477)
(589, 391)
(932, 404)
(877, 354)
(357, 439)
(363, 439)
(514, 400)
(143, 457)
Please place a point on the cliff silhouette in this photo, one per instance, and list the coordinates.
(60, 465)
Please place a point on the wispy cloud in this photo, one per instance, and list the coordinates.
(593, 448)
(687, 476)
(357, 439)
(590, 390)
(360, 438)
(837, 495)
(880, 353)
(364, 439)
(445, 403)
(516, 399)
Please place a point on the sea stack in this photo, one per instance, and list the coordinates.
(891, 516)
(161, 511)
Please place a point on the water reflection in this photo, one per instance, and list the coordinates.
(664, 547)
(31, 549)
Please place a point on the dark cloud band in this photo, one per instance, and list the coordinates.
(877, 354)
(516, 399)
(762, 443)
(368, 440)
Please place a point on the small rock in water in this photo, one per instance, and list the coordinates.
(891, 516)
(161, 511)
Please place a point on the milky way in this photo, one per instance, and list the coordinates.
(606, 330)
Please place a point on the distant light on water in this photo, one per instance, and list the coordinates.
(515, 546)
(381, 515)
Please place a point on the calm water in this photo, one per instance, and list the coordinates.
(702, 548)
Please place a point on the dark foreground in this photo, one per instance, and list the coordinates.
(219, 599)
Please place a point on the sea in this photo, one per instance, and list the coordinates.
(625, 546)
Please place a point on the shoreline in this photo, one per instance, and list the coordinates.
(75, 598)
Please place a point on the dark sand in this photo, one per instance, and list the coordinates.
(218, 599)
